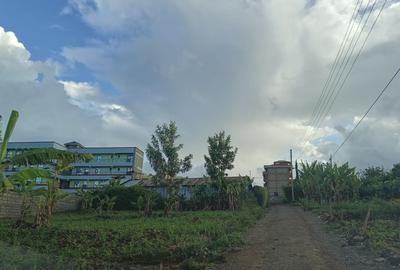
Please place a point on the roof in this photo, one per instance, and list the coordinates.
(279, 164)
(34, 145)
(194, 181)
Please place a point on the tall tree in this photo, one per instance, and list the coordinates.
(163, 155)
(221, 155)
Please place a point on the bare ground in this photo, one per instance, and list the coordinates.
(288, 238)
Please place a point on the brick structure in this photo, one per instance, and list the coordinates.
(10, 204)
(276, 177)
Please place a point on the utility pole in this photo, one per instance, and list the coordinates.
(291, 173)
(330, 159)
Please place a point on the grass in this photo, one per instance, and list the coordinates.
(125, 238)
(382, 234)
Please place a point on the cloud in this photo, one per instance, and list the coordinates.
(54, 110)
(252, 68)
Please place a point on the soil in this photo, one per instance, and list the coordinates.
(288, 238)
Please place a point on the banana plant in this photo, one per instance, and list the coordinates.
(22, 176)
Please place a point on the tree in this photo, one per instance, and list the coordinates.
(221, 155)
(163, 155)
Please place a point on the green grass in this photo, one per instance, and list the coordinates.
(382, 234)
(125, 238)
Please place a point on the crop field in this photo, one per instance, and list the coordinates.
(126, 238)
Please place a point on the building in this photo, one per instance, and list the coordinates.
(16, 148)
(276, 177)
(187, 185)
(123, 163)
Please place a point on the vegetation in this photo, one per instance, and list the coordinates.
(221, 155)
(262, 196)
(220, 195)
(163, 156)
(224, 194)
(364, 206)
(127, 238)
(60, 161)
(21, 177)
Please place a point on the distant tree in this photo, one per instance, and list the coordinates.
(163, 155)
(221, 155)
(395, 172)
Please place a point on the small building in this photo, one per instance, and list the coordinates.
(187, 185)
(122, 163)
(276, 177)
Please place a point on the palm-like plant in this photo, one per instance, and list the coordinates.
(21, 178)
(61, 161)
(328, 183)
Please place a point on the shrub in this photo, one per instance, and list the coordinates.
(298, 193)
(127, 197)
(262, 196)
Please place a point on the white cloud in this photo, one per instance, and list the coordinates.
(252, 68)
(61, 111)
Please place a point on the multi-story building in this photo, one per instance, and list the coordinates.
(276, 177)
(122, 163)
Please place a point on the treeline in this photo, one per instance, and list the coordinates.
(330, 183)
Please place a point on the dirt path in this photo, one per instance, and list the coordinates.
(288, 238)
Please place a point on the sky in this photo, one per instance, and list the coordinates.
(105, 73)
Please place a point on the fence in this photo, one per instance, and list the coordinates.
(10, 204)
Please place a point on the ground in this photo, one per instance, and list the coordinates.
(288, 238)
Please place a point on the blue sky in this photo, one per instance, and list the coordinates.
(44, 30)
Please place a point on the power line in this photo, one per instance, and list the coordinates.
(332, 71)
(335, 95)
(338, 55)
(369, 109)
(344, 64)
(356, 58)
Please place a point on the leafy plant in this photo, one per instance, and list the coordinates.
(163, 155)
(221, 155)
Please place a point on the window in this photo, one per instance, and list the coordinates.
(96, 171)
(276, 194)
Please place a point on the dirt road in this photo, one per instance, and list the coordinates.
(288, 238)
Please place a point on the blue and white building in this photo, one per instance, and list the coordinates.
(122, 163)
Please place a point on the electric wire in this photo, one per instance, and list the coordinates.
(366, 113)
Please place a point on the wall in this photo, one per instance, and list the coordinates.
(10, 204)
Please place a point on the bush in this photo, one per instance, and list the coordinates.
(298, 193)
(262, 196)
(127, 197)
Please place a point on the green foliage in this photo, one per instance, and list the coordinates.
(298, 192)
(5, 184)
(12, 121)
(219, 195)
(97, 243)
(380, 232)
(376, 182)
(59, 158)
(262, 196)
(127, 197)
(221, 155)
(163, 156)
(326, 182)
